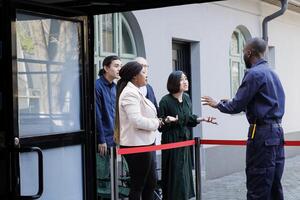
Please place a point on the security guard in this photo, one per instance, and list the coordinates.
(262, 97)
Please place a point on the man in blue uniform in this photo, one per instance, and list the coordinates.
(262, 97)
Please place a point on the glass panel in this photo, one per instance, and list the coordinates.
(108, 33)
(235, 78)
(243, 43)
(234, 48)
(48, 52)
(236, 54)
(127, 46)
(59, 183)
(242, 63)
(271, 56)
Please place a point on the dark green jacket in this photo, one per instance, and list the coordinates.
(177, 179)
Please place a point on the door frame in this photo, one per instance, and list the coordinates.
(86, 137)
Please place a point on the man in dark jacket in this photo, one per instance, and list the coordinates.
(262, 97)
(105, 95)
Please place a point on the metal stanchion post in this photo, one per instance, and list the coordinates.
(198, 169)
(114, 174)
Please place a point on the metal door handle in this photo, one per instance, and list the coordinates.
(40, 172)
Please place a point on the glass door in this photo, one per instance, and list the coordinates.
(52, 134)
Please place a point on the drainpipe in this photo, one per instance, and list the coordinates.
(284, 5)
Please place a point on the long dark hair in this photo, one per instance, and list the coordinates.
(127, 72)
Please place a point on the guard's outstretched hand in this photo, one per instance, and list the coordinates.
(207, 100)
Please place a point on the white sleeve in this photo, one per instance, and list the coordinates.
(131, 105)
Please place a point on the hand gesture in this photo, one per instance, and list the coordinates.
(208, 120)
(207, 100)
(170, 119)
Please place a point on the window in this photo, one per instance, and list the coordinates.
(49, 71)
(271, 57)
(113, 36)
(236, 62)
(107, 33)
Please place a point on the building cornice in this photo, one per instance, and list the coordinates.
(294, 5)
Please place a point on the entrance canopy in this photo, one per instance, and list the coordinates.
(108, 6)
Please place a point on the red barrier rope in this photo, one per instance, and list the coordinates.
(224, 142)
(174, 145)
(291, 143)
(241, 142)
(122, 151)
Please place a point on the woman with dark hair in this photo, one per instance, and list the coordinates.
(136, 123)
(177, 180)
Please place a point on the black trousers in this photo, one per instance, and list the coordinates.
(142, 171)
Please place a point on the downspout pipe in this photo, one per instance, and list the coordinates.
(284, 6)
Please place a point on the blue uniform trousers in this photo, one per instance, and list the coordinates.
(265, 163)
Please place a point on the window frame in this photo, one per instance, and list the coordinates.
(237, 58)
(115, 36)
(122, 19)
(100, 54)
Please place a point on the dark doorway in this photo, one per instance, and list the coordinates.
(181, 60)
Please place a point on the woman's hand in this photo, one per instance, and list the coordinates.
(170, 119)
(167, 120)
(208, 120)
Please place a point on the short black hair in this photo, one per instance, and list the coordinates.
(106, 62)
(173, 84)
(258, 46)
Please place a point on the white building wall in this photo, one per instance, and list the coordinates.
(285, 36)
(211, 25)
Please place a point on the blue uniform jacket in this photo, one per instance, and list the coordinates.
(150, 95)
(260, 95)
(105, 94)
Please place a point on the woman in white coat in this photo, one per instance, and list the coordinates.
(136, 123)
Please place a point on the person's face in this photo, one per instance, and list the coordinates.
(144, 63)
(184, 83)
(141, 78)
(113, 69)
(247, 57)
